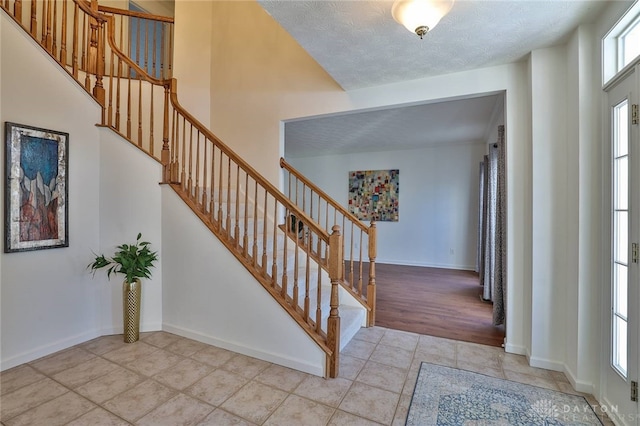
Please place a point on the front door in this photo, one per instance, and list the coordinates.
(621, 372)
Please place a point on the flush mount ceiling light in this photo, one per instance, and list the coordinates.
(420, 16)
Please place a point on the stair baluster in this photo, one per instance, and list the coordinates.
(307, 195)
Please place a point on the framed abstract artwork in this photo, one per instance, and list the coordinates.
(36, 188)
(374, 194)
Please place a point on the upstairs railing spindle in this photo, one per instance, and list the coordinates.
(228, 217)
(63, 38)
(44, 24)
(151, 123)
(264, 234)
(220, 171)
(274, 254)
(319, 292)
(34, 21)
(205, 169)
(74, 52)
(54, 39)
(254, 251)
(236, 228)
(245, 237)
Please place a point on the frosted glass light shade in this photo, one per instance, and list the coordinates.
(415, 15)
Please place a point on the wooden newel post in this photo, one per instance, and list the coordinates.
(165, 154)
(371, 287)
(98, 89)
(336, 262)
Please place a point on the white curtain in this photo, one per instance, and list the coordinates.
(492, 228)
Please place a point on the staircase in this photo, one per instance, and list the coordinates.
(303, 248)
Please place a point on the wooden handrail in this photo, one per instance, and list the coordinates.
(315, 188)
(134, 14)
(86, 7)
(142, 74)
(275, 192)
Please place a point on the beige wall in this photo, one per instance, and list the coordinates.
(257, 76)
(192, 57)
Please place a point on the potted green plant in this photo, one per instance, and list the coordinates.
(134, 261)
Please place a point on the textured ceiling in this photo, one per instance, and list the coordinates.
(451, 122)
(360, 45)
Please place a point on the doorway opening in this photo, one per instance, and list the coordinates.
(437, 148)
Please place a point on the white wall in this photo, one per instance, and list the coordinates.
(549, 176)
(438, 204)
(566, 184)
(130, 202)
(48, 299)
(583, 213)
(211, 297)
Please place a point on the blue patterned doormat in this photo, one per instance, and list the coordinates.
(446, 396)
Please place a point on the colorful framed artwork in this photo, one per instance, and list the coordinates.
(36, 188)
(374, 194)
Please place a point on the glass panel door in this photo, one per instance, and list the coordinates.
(620, 236)
(620, 366)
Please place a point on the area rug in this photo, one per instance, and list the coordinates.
(446, 396)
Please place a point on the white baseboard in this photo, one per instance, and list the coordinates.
(47, 349)
(265, 356)
(579, 385)
(515, 349)
(426, 264)
(547, 364)
(615, 416)
(63, 344)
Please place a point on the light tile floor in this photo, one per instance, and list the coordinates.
(165, 379)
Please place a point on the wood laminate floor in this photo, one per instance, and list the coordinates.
(435, 302)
